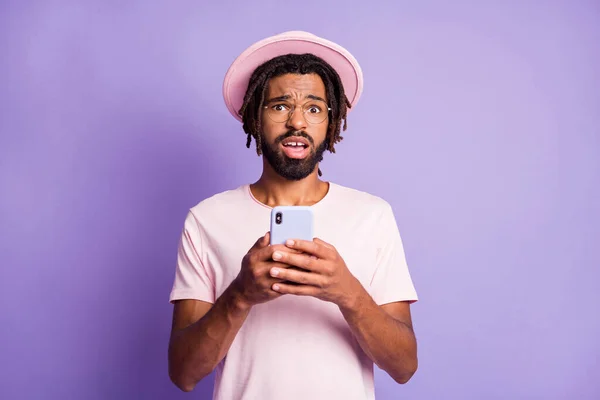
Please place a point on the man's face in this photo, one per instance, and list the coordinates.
(294, 146)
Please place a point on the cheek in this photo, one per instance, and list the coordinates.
(320, 133)
(269, 130)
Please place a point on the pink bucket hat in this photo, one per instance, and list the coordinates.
(293, 42)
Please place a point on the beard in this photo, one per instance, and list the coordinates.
(293, 169)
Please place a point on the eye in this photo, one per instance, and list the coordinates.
(280, 107)
(313, 109)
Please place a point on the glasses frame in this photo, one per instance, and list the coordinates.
(303, 115)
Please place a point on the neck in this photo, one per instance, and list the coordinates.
(273, 190)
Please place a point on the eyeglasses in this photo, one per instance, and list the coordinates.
(314, 111)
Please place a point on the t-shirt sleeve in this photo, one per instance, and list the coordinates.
(391, 280)
(193, 280)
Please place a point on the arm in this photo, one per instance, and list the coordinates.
(384, 333)
(202, 333)
(201, 336)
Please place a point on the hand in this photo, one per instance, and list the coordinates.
(253, 285)
(325, 274)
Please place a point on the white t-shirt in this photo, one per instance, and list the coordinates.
(294, 347)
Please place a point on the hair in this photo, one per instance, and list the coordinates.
(294, 64)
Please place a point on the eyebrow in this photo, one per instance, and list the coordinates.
(287, 97)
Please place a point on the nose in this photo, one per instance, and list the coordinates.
(296, 120)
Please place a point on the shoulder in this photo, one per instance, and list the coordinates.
(218, 205)
(360, 200)
(218, 201)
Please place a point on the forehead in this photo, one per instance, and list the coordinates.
(297, 86)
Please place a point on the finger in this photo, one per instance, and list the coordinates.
(309, 247)
(266, 253)
(304, 261)
(266, 239)
(299, 290)
(261, 242)
(272, 282)
(323, 243)
(298, 276)
(266, 279)
(273, 264)
(282, 247)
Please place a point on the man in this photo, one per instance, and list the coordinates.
(308, 319)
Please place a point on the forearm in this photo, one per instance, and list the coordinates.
(389, 343)
(195, 351)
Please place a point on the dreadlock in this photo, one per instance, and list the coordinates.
(294, 64)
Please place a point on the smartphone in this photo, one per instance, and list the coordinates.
(291, 222)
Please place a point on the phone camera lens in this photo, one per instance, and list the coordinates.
(278, 218)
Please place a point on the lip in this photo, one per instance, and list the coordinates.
(297, 152)
(297, 139)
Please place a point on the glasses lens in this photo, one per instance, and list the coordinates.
(315, 112)
(278, 112)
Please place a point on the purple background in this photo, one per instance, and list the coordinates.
(479, 124)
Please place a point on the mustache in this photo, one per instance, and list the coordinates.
(295, 133)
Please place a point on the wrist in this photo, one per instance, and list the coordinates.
(354, 298)
(236, 298)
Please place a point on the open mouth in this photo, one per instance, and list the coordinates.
(295, 147)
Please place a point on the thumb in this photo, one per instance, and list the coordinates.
(266, 239)
(262, 242)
